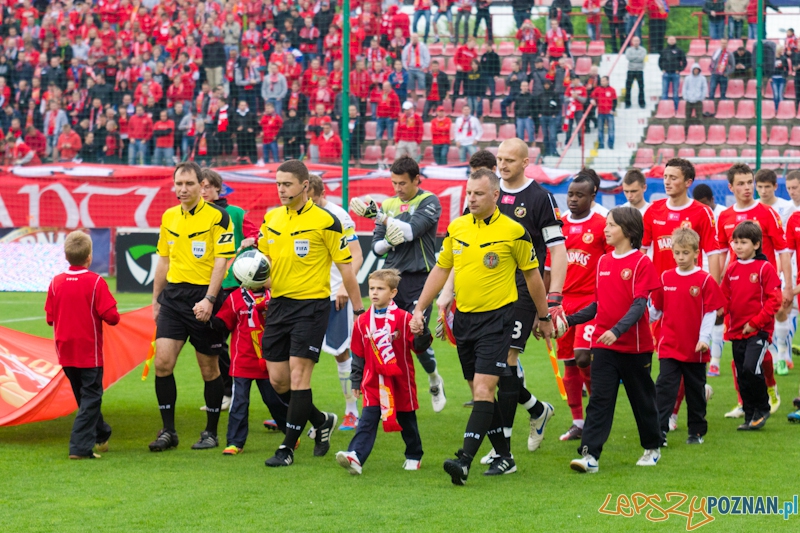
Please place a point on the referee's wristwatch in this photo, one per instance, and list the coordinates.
(359, 312)
(546, 318)
(211, 298)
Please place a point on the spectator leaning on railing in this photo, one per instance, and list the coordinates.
(715, 9)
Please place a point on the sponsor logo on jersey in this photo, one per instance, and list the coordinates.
(491, 260)
(588, 238)
(694, 290)
(301, 247)
(604, 273)
(578, 257)
(665, 243)
(575, 230)
(198, 248)
(508, 199)
(520, 212)
(754, 278)
(403, 208)
(626, 274)
(673, 217)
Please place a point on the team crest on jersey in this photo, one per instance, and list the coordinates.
(754, 278)
(520, 212)
(626, 274)
(588, 238)
(491, 260)
(301, 247)
(694, 290)
(686, 224)
(198, 248)
(403, 208)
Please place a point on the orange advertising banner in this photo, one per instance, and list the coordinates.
(32, 386)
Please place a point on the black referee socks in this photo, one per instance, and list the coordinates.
(300, 406)
(479, 423)
(167, 393)
(213, 393)
(507, 399)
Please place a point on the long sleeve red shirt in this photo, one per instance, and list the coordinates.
(409, 128)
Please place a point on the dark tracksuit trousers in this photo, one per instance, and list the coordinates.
(748, 355)
(667, 386)
(408, 292)
(608, 368)
(89, 427)
(238, 417)
(225, 356)
(367, 430)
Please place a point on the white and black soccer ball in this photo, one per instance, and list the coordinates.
(251, 269)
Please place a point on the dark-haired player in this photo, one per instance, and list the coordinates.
(634, 185)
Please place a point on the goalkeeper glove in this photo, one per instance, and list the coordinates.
(555, 309)
(367, 210)
(394, 234)
(440, 327)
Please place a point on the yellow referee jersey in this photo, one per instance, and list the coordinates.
(485, 255)
(302, 245)
(193, 239)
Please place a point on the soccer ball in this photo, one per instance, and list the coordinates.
(251, 269)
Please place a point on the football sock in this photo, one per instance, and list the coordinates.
(717, 343)
(213, 392)
(782, 339)
(167, 393)
(578, 423)
(528, 401)
(573, 385)
(297, 415)
(316, 417)
(433, 378)
(507, 398)
(427, 360)
(496, 433)
(768, 370)
(345, 369)
(480, 421)
(679, 400)
(586, 374)
(736, 381)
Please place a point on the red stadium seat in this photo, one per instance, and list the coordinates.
(533, 154)
(770, 153)
(792, 153)
(568, 61)
(485, 107)
(737, 135)
(735, 89)
(697, 47)
(778, 136)
(686, 152)
(707, 152)
(748, 152)
(507, 66)
(427, 156)
(705, 66)
(665, 109)
(450, 67)
(494, 112)
(371, 155)
(489, 132)
(713, 45)
(507, 131)
(681, 111)
(507, 48)
(452, 155)
(583, 65)
(596, 48)
(426, 132)
(370, 127)
(449, 50)
(716, 135)
(767, 109)
(794, 139)
(664, 155)
(789, 92)
(435, 49)
(447, 104)
(745, 110)
(389, 155)
(785, 110)
(724, 110)
(578, 48)
(751, 136)
(459, 105)
(709, 108)
(689, 64)
(767, 90)
(655, 134)
(680, 89)
(728, 152)
(696, 135)
(644, 158)
(492, 149)
(676, 135)
(750, 92)
(500, 86)
(421, 107)
(734, 44)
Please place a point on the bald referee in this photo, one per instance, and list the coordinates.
(194, 245)
(485, 248)
(302, 240)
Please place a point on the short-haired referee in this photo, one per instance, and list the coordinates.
(301, 239)
(485, 247)
(194, 245)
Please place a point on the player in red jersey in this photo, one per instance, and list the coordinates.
(687, 304)
(752, 289)
(741, 183)
(586, 243)
(622, 345)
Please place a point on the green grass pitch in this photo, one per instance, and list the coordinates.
(131, 489)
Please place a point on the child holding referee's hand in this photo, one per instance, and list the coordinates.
(381, 346)
(622, 345)
(78, 302)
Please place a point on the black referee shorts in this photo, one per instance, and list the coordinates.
(482, 341)
(409, 290)
(524, 314)
(176, 318)
(295, 328)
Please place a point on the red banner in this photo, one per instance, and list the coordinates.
(103, 196)
(32, 386)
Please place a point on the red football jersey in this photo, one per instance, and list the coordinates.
(586, 244)
(660, 220)
(78, 302)
(685, 298)
(620, 280)
(752, 292)
(765, 217)
(793, 235)
(245, 346)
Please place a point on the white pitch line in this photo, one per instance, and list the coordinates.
(31, 318)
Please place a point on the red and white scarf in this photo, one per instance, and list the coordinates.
(381, 343)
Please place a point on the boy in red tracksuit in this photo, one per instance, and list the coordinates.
(752, 291)
(687, 304)
(78, 302)
(243, 314)
(383, 369)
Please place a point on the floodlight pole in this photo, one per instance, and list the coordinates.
(759, 79)
(345, 121)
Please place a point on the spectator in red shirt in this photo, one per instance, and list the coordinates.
(575, 97)
(164, 133)
(311, 78)
(605, 98)
(634, 8)
(69, 143)
(441, 127)
(528, 37)
(314, 129)
(78, 302)
(330, 144)
(556, 41)
(21, 153)
(36, 140)
(140, 131)
(360, 82)
(409, 133)
(438, 86)
(270, 127)
(658, 11)
(400, 20)
(387, 111)
(463, 58)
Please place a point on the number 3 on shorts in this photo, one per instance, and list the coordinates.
(517, 330)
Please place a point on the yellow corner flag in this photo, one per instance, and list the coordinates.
(556, 370)
(151, 355)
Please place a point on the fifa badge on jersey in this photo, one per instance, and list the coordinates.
(694, 290)
(588, 238)
(491, 260)
(626, 274)
(754, 278)
(520, 212)
(301, 247)
(198, 248)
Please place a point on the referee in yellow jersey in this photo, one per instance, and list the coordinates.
(301, 240)
(194, 245)
(485, 248)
